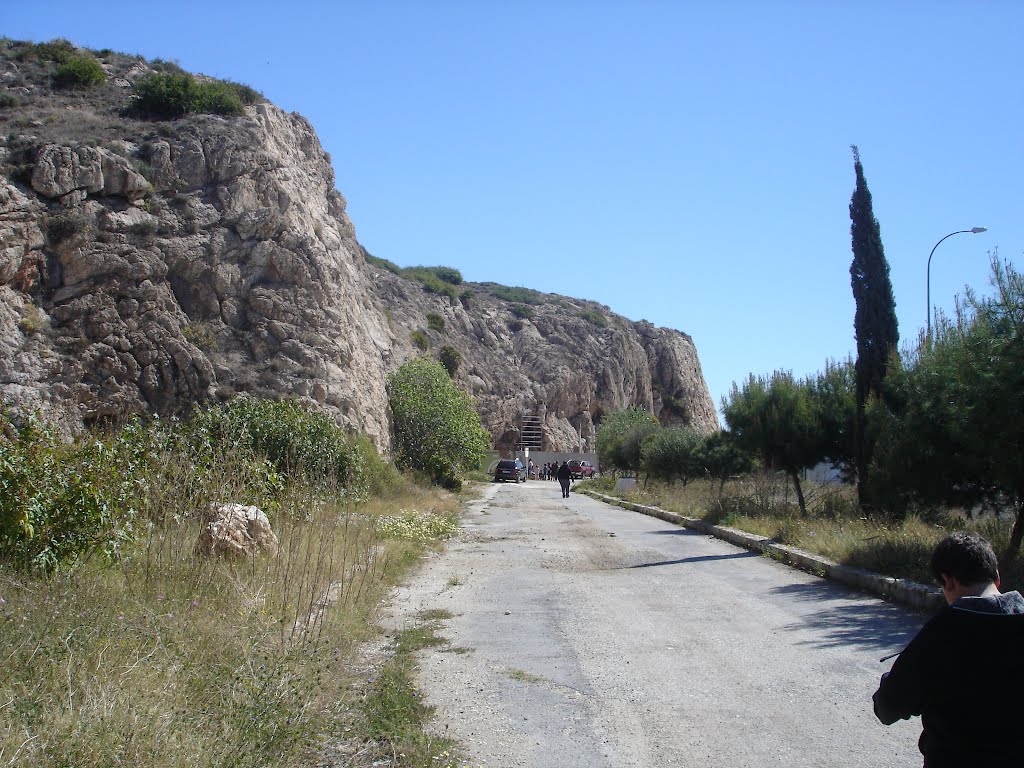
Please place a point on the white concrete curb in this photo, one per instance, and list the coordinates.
(904, 591)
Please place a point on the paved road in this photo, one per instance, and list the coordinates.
(603, 638)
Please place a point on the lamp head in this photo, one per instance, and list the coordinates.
(976, 230)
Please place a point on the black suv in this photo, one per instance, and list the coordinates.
(509, 469)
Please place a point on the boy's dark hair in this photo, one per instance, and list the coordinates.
(966, 557)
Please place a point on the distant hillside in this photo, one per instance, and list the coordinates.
(168, 238)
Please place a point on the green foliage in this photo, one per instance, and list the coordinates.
(442, 281)
(446, 274)
(673, 453)
(450, 358)
(8, 100)
(875, 325)
(175, 93)
(390, 266)
(515, 294)
(621, 436)
(435, 322)
(79, 72)
(59, 500)
(833, 393)
(165, 95)
(420, 340)
(294, 439)
(724, 459)
(59, 51)
(950, 427)
(437, 430)
(521, 311)
(594, 317)
(778, 420)
(396, 714)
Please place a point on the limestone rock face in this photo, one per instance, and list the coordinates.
(565, 361)
(189, 260)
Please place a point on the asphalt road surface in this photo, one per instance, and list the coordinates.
(582, 634)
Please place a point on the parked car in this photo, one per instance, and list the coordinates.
(509, 469)
(580, 469)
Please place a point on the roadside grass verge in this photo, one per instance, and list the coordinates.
(157, 656)
(396, 715)
(764, 505)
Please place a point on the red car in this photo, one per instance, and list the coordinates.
(581, 469)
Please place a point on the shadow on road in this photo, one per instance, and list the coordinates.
(845, 619)
(699, 559)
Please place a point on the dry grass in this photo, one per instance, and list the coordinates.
(764, 504)
(174, 659)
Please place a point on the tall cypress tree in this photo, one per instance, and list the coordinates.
(875, 321)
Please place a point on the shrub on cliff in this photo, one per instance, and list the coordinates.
(79, 72)
(176, 93)
(437, 430)
(438, 280)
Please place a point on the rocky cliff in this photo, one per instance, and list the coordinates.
(147, 265)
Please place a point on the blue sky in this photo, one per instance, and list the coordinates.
(686, 163)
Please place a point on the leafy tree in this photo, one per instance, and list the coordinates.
(673, 453)
(953, 432)
(834, 395)
(777, 420)
(874, 323)
(437, 430)
(724, 458)
(620, 438)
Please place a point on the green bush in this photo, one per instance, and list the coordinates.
(216, 98)
(390, 266)
(435, 280)
(521, 311)
(175, 93)
(79, 72)
(435, 322)
(594, 317)
(294, 439)
(59, 50)
(450, 358)
(8, 100)
(420, 340)
(518, 295)
(57, 500)
(437, 429)
(166, 95)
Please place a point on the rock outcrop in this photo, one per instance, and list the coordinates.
(158, 265)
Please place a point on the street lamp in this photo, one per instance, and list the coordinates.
(928, 282)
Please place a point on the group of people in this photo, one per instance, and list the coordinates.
(553, 471)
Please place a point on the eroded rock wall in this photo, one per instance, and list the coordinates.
(175, 263)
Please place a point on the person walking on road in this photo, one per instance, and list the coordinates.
(962, 672)
(564, 478)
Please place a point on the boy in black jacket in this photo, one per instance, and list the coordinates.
(963, 672)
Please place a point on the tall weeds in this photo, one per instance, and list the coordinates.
(157, 655)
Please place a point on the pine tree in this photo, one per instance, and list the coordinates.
(874, 323)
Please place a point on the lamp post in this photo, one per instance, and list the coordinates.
(928, 282)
